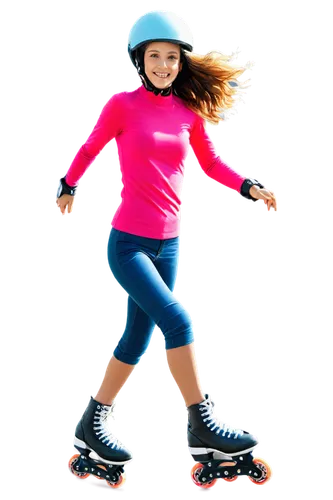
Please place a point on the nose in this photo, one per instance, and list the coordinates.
(164, 64)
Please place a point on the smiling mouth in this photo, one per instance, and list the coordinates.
(162, 76)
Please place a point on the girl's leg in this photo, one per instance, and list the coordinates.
(132, 345)
(149, 277)
(181, 359)
(116, 375)
(182, 365)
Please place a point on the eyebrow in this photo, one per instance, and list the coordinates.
(170, 51)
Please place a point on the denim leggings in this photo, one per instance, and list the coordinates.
(146, 268)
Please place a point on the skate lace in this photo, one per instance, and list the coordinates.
(101, 421)
(217, 424)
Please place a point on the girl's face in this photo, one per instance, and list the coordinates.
(162, 58)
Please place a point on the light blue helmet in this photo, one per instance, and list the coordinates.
(159, 26)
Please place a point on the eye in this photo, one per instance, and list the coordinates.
(157, 54)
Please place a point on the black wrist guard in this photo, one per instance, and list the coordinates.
(64, 188)
(246, 186)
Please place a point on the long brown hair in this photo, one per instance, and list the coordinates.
(209, 84)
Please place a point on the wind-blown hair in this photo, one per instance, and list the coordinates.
(208, 84)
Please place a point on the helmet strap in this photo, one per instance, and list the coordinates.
(151, 87)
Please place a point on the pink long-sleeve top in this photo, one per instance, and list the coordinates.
(153, 135)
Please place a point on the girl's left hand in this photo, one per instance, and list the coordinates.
(264, 194)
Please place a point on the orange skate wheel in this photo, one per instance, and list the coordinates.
(230, 479)
(265, 468)
(71, 465)
(196, 469)
(121, 480)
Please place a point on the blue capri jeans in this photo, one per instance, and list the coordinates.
(146, 268)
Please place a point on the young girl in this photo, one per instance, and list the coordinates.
(154, 126)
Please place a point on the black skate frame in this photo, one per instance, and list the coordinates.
(244, 466)
(89, 465)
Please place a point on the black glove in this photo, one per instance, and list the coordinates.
(246, 186)
(64, 188)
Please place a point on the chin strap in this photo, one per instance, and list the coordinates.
(151, 88)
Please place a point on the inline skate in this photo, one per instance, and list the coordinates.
(101, 453)
(222, 452)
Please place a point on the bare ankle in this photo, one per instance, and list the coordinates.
(195, 401)
(103, 401)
